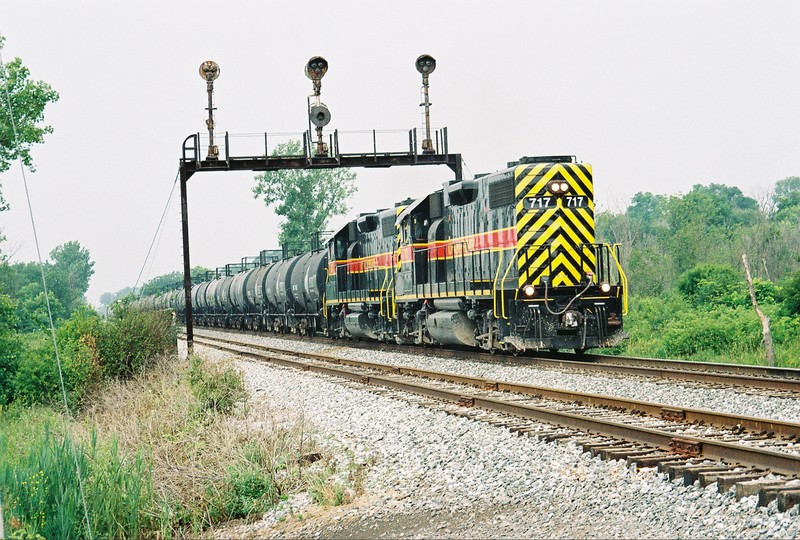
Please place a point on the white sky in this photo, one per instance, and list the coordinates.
(657, 96)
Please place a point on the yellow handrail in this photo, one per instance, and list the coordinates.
(623, 278)
(494, 285)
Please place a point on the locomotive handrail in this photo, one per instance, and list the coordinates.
(503, 290)
(622, 276)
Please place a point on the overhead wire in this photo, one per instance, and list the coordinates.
(156, 237)
(67, 411)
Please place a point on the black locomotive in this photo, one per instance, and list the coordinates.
(505, 261)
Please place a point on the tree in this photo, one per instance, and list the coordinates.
(68, 275)
(307, 198)
(28, 101)
(787, 199)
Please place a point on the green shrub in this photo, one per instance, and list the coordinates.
(10, 348)
(790, 295)
(709, 285)
(36, 379)
(243, 494)
(133, 340)
(719, 331)
(218, 389)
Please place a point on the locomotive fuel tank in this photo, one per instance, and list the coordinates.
(360, 325)
(451, 328)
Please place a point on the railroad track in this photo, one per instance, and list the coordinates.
(776, 381)
(699, 445)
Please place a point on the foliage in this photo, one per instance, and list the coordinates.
(709, 285)
(28, 100)
(724, 331)
(10, 348)
(307, 198)
(67, 274)
(133, 340)
(90, 350)
(42, 496)
(787, 200)
(790, 295)
(217, 388)
(245, 492)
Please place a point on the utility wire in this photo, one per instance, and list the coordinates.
(44, 284)
(156, 235)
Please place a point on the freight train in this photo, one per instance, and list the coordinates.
(503, 262)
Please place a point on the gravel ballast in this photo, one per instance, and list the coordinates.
(665, 392)
(435, 475)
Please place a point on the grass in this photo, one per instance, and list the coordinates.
(160, 459)
(40, 482)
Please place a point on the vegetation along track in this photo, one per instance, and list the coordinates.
(636, 428)
(773, 381)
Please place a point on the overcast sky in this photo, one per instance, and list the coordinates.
(657, 96)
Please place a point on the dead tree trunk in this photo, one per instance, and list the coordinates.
(764, 319)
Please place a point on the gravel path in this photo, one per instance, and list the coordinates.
(641, 388)
(437, 475)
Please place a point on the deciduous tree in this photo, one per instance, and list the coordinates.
(28, 100)
(306, 198)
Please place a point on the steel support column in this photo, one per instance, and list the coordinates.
(187, 267)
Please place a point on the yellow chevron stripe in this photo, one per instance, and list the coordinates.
(546, 177)
(587, 182)
(521, 183)
(587, 215)
(541, 218)
(579, 226)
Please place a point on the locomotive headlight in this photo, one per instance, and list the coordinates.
(564, 187)
(554, 187)
(605, 287)
(528, 290)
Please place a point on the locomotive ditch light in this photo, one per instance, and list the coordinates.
(316, 68)
(528, 290)
(426, 64)
(605, 287)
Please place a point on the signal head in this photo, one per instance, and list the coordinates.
(209, 70)
(426, 64)
(316, 68)
(319, 115)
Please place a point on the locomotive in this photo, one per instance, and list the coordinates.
(505, 261)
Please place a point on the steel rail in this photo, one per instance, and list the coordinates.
(669, 412)
(778, 462)
(748, 376)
